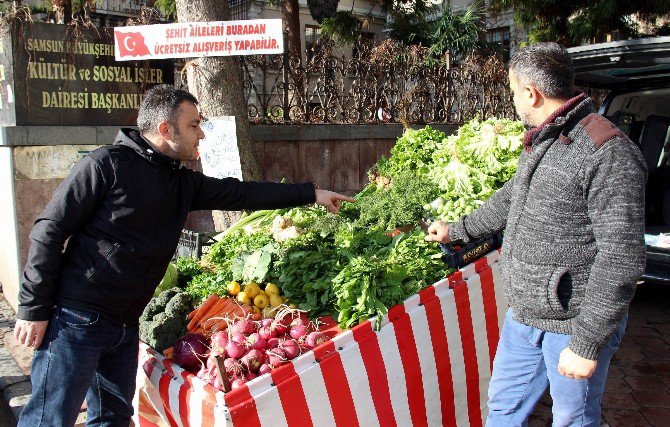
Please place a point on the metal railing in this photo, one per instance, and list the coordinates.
(384, 83)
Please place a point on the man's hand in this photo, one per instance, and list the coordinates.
(572, 366)
(438, 232)
(331, 200)
(30, 333)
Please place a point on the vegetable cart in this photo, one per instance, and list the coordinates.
(428, 364)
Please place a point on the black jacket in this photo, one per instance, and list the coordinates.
(123, 207)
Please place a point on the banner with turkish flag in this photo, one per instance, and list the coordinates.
(199, 39)
(131, 44)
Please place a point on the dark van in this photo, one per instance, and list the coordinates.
(637, 75)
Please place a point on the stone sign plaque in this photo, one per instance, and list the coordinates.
(61, 75)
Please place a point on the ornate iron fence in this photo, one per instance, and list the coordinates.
(382, 83)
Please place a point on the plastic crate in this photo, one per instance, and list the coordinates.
(194, 244)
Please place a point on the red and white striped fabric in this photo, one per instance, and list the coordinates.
(429, 365)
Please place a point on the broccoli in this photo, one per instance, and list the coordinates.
(164, 319)
(178, 305)
(165, 330)
(165, 296)
(151, 310)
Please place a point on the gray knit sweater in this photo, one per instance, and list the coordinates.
(573, 216)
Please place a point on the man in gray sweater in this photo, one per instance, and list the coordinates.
(573, 246)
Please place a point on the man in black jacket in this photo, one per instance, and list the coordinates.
(122, 208)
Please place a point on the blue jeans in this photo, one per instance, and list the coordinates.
(527, 362)
(82, 356)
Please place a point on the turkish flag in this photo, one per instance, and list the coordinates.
(131, 44)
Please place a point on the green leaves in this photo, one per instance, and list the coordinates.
(254, 267)
(469, 166)
(412, 152)
(372, 282)
(397, 205)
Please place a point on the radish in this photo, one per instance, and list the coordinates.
(211, 361)
(264, 369)
(280, 326)
(252, 360)
(219, 343)
(256, 342)
(267, 321)
(276, 357)
(315, 339)
(250, 376)
(238, 382)
(290, 348)
(298, 331)
(244, 326)
(298, 321)
(235, 349)
(238, 338)
(203, 373)
(272, 343)
(266, 332)
(232, 366)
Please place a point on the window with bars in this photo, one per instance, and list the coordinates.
(312, 34)
(500, 36)
(239, 9)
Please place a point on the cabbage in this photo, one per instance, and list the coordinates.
(190, 352)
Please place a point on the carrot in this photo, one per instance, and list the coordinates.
(201, 311)
(229, 310)
(168, 352)
(246, 309)
(218, 311)
(213, 310)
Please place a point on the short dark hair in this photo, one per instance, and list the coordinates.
(161, 103)
(547, 67)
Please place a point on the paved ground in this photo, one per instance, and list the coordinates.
(637, 392)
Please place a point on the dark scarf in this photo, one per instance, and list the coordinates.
(571, 103)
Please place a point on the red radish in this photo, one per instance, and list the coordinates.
(250, 376)
(255, 341)
(211, 361)
(238, 382)
(280, 326)
(264, 369)
(298, 331)
(291, 349)
(232, 366)
(267, 321)
(238, 338)
(203, 373)
(266, 332)
(252, 360)
(244, 326)
(272, 343)
(235, 349)
(315, 339)
(298, 321)
(276, 357)
(219, 342)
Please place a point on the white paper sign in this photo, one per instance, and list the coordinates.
(198, 39)
(218, 151)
